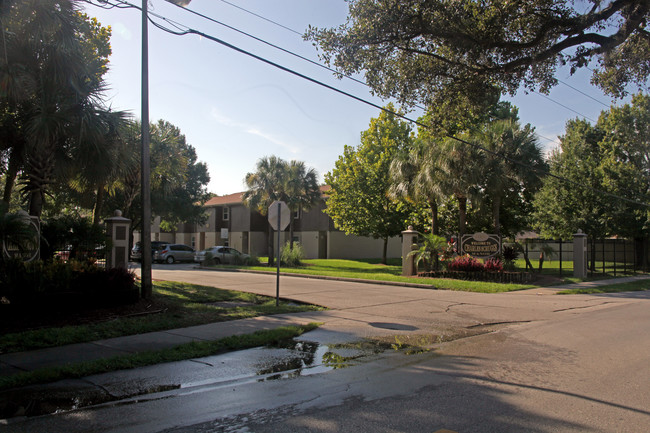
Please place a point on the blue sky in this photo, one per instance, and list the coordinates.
(235, 110)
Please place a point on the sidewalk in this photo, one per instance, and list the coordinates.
(552, 290)
(14, 363)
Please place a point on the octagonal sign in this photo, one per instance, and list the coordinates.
(279, 208)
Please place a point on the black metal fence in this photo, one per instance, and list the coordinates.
(604, 256)
(95, 253)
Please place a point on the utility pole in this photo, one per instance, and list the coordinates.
(145, 193)
(145, 240)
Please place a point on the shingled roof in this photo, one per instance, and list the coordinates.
(236, 198)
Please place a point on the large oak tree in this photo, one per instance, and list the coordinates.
(460, 55)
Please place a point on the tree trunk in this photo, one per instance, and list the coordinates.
(433, 205)
(99, 204)
(269, 240)
(384, 252)
(291, 232)
(462, 215)
(36, 203)
(496, 210)
(10, 177)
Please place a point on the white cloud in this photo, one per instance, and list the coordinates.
(253, 130)
(122, 31)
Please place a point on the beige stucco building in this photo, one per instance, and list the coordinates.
(230, 222)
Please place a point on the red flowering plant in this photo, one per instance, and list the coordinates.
(493, 264)
(465, 263)
(448, 254)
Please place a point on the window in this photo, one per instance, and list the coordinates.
(225, 214)
(296, 214)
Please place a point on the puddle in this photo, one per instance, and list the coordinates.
(287, 360)
(305, 358)
(51, 399)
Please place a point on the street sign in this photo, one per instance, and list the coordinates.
(283, 211)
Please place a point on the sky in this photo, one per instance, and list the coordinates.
(235, 110)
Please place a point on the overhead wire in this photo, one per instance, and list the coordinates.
(562, 105)
(583, 93)
(215, 39)
(260, 16)
(338, 73)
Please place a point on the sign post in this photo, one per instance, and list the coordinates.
(279, 217)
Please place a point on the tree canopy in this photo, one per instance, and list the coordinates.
(461, 55)
(178, 179)
(359, 200)
(276, 179)
(52, 59)
(612, 157)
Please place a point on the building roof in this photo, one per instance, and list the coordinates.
(236, 198)
(225, 199)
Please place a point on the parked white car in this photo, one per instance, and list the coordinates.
(220, 254)
(170, 253)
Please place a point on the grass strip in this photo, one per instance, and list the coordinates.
(374, 271)
(632, 286)
(196, 349)
(181, 305)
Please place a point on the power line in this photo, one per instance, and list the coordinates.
(583, 93)
(277, 47)
(562, 105)
(364, 101)
(546, 138)
(355, 79)
(309, 60)
(261, 17)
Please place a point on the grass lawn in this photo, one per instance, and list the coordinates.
(374, 270)
(633, 286)
(174, 305)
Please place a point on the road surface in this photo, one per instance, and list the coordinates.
(549, 363)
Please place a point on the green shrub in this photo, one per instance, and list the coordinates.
(292, 258)
(55, 284)
(253, 261)
(509, 255)
(245, 261)
(208, 259)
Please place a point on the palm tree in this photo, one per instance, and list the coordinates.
(432, 246)
(507, 166)
(50, 77)
(101, 155)
(460, 165)
(266, 185)
(417, 175)
(301, 191)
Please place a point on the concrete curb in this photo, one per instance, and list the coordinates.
(605, 282)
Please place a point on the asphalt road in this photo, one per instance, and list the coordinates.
(549, 364)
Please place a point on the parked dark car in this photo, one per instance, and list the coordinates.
(136, 251)
(170, 253)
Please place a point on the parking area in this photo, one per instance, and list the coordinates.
(179, 266)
